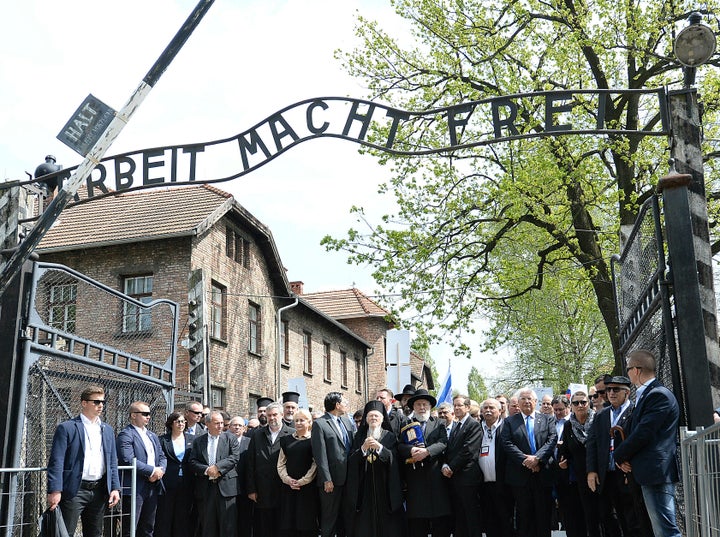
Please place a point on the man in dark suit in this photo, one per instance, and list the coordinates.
(82, 472)
(136, 442)
(427, 498)
(495, 496)
(214, 460)
(263, 483)
(648, 450)
(529, 440)
(332, 436)
(194, 418)
(462, 469)
(244, 527)
(612, 484)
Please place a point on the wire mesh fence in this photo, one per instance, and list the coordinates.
(27, 500)
(645, 304)
(701, 481)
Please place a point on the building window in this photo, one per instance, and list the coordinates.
(307, 353)
(254, 328)
(229, 243)
(237, 248)
(327, 361)
(218, 311)
(63, 304)
(136, 318)
(343, 369)
(246, 253)
(284, 339)
(358, 375)
(217, 397)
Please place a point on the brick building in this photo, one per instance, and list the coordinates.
(160, 243)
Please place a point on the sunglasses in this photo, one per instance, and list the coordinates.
(146, 414)
(594, 396)
(600, 392)
(576, 403)
(633, 367)
(96, 401)
(615, 389)
(197, 412)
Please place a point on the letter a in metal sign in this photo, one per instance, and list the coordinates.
(86, 125)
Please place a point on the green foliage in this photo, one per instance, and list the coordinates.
(476, 386)
(520, 232)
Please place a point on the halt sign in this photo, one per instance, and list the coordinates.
(87, 125)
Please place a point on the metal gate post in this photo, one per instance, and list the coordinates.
(688, 307)
(12, 380)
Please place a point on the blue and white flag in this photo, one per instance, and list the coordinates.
(445, 393)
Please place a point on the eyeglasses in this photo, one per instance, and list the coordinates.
(96, 401)
(576, 403)
(633, 367)
(594, 396)
(615, 389)
(146, 414)
(197, 412)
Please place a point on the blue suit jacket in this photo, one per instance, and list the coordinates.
(651, 438)
(129, 446)
(67, 457)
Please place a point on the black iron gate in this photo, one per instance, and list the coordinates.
(644, 298)
(76, 332)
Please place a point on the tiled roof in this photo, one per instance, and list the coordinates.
(345, 304)
(134, 216)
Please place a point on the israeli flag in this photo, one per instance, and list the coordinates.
(445, 393)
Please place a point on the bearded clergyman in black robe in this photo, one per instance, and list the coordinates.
(373, 488)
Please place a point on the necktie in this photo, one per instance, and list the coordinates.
(611, 458)
(344, 433)
(212, 450)
(531, 434)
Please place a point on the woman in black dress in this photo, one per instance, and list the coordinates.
(297, 469)
(571, 451)
(373, 488)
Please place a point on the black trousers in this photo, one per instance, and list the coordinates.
(534, 504)
(89, 505)
(467, 509)
(497, 503)
(437, 527)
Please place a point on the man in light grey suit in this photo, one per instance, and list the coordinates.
(331, 439)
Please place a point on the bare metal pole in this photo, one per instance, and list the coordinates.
(93, 157)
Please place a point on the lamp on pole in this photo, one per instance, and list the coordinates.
(688, 235)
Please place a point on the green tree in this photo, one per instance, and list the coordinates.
(476, 386)
(556, 335)
(487, 229)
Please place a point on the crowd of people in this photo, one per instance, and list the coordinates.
(595, 464)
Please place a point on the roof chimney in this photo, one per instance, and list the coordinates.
(297, 287)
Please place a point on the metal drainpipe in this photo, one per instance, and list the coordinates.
(277, 345)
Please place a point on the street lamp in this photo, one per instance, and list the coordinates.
(694, 45)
